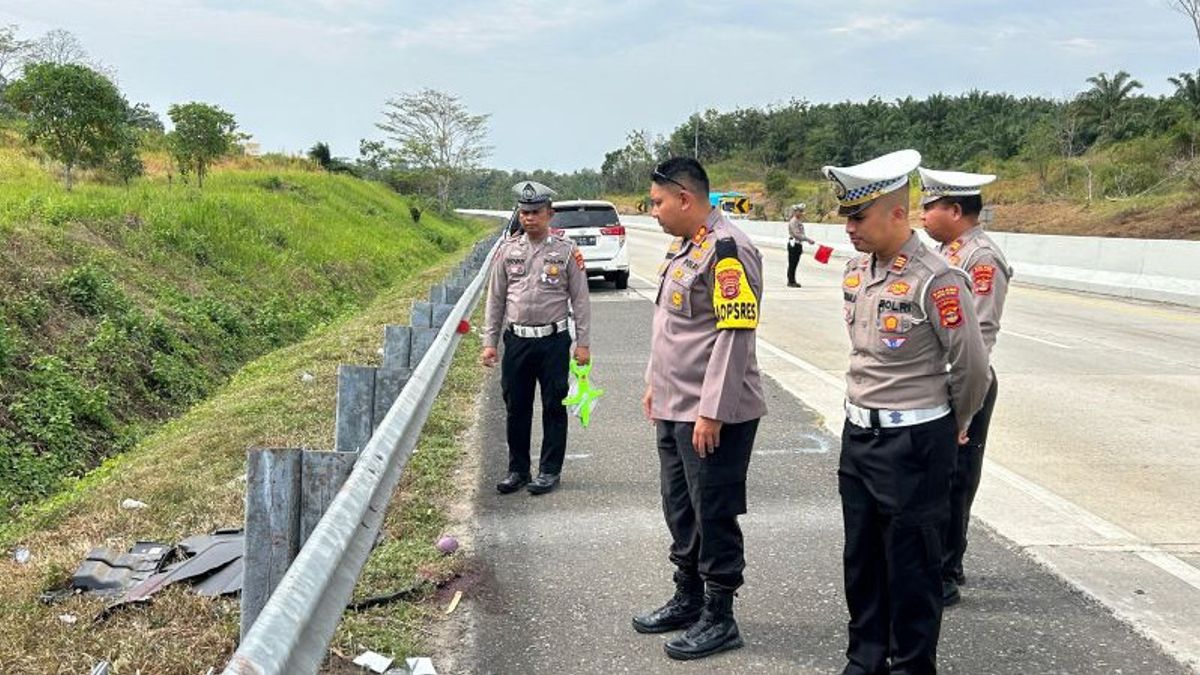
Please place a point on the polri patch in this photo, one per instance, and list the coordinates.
(948, 305)
(983, 276)
(893, 342)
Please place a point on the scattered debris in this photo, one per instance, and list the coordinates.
(211, 563)
(307, 377)
(447, 544)
(373, 661)
(130, 504)
(421, 665)
(68, 619)
(22, 555)
(107, 572)
(101, 668)
(454, 603)
(405, 594)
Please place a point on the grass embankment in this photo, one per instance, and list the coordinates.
(121, 307)
(191, 474)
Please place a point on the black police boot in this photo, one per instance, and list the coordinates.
(545, 482)
(513, 482)
(681, 611)
(950, 593)
(715, 631)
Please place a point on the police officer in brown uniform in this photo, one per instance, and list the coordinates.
(704, 396)
(796, 240)
(537, 278)
(952, 203)
(918, 372)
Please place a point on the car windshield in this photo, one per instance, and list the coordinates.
(584, 216)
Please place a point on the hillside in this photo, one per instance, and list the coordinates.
(121, 307)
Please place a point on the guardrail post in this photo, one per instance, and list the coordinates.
(388, 383)
(422, 315)
(355, 407)
(321, 476)
(397, 345)
(422, 339)
(272, 525)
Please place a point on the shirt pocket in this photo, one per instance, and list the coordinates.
(553, 274)
(680, 285)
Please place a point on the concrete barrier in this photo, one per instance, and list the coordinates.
(1161, 270)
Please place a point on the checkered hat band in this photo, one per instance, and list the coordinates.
(949, 191)
(864, 194)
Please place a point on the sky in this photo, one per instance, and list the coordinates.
(565, 81)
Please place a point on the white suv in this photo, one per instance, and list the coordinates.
(597, 230)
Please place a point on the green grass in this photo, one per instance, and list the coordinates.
(189, 472)
(121, 307)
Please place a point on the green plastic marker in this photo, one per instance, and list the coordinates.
(583, 396)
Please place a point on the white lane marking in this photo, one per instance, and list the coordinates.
(1005, 331)
(583, 456)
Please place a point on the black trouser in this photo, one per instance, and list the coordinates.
(794, 251)
(964, 482)
(895, 484)
(701, 500)
(530, 362)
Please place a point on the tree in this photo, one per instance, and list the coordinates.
(320, 154)
(126, 161)
(628, 169)
(1190, 9)
(59, 47)
(202, 134)
(13, 52)
(75, 114)
(436, 133)
(142, 117)
(1102, 104)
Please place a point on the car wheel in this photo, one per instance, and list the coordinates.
(622, 280)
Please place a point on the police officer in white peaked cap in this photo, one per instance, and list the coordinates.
(918, 372)
(537, 278)
(952, 202)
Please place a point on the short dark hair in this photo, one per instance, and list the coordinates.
(683, 170)
(971, 205)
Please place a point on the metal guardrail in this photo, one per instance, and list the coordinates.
(293, 631)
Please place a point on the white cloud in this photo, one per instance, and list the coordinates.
(881, 27)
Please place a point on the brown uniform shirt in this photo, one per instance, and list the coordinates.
(908, 319)
(980, 257)
(696, 369)
(531, 283)
(796, 231)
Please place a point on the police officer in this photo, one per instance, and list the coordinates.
(918, 372)
(537, 277)
(796, 239)
(704, 397)
(952, 203)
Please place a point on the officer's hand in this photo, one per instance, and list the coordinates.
(583, 355)
(706, 436)
(646, 400)
(963, 439)
(488, 357)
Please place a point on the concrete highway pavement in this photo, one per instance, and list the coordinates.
(1093, 463)
(562, 574)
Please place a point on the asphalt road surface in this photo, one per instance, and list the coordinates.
(562, 574)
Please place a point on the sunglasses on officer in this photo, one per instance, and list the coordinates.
(660, 177)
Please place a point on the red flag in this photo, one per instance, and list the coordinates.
(823, 253)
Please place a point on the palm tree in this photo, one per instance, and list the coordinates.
(1101, 104)
(1187, 91)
